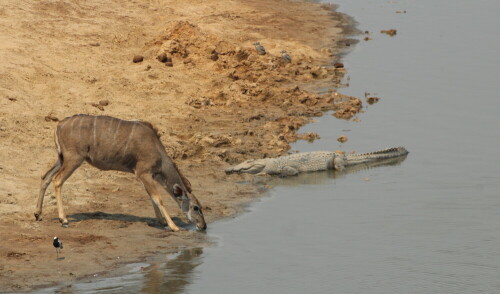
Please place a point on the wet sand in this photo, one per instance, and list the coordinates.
(217, 103)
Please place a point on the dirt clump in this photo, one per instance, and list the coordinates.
(372, 100)
(342, 139)
(391, 32)
(137, 59)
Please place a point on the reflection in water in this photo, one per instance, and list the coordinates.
(173, 276)
(170, 277)
(324, 177)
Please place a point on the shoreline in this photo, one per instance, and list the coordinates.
(238, 105)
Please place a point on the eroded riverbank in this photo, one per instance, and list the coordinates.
(218, 102)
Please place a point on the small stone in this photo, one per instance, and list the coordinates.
(338, 65)
(342, 139)
(137, 59)
(214, 56)
(260, 49)
(372, 100)
(162, 57)
(98, 106)
(95, 44)
(169, 63)
(285, 57)
(104, 102)
(391, 32)
(51, 117)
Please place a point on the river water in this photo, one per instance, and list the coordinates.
(429, 224)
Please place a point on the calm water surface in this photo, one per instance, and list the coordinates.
(430, 224)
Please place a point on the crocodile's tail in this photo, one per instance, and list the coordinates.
(352, 159)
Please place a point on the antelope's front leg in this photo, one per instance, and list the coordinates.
(151, 188)
(158, 214)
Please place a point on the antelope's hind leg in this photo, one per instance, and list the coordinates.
(46, 179)
(70, 164)
(152, 189)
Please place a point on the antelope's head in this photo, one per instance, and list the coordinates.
(190, 205)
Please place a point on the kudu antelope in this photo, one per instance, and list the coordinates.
(109, 143)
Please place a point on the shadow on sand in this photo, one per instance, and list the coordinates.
(150, 221)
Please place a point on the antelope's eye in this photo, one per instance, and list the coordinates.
(196, 208)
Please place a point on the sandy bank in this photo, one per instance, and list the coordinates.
(218, 102)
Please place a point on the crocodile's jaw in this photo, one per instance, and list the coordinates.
(250, 166)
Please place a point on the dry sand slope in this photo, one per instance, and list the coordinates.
(218, 102)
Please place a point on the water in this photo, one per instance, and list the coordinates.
(427, 225)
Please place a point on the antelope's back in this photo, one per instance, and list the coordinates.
(107, 142)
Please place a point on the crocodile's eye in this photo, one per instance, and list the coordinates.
(196, 208)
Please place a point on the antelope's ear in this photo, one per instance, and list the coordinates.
(177, 190)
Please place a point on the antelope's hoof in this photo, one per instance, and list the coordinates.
(176, 229)
(64, 223)
(38, 217)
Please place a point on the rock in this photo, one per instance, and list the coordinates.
(338, 65)
(162, 57)
(391, 32)
(285, 57)
(169, 64)
(260, 49)
(51, 117)
(137, 59)
(372, 100)
(310, 137)
(98, 106)
(214, 140)
(214, 56)
(342, 139)
(104, 102)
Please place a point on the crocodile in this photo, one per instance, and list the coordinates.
(294, 164)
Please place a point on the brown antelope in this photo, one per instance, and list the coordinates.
(109, 143)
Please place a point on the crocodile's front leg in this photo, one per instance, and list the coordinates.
(288, 171)
(285, 171)
(339, 162)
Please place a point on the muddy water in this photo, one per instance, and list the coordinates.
(429, 224)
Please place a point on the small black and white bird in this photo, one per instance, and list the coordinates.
(58, 245)
(260, 49)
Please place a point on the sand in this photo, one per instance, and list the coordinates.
(189, 68)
